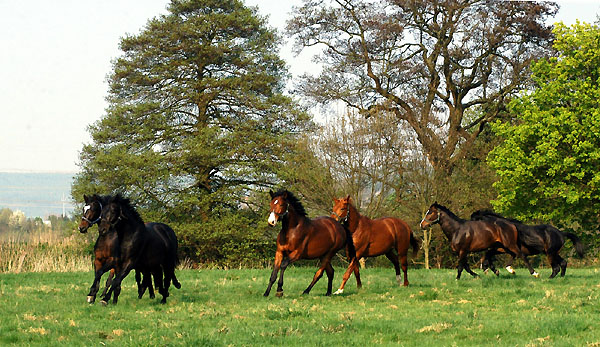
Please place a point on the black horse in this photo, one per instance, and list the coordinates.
(535, 239)
(106, 249)
(468, 236)
(150, 248)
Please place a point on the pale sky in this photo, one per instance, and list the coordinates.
(55, 56)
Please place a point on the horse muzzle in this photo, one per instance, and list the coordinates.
(272, 219)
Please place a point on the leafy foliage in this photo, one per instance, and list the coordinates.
(426, 62)
(197, 119)
(547, 165)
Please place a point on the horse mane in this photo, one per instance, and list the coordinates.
(292, 200)
(488, 213)
(447, 211)
(103, 199)
(126, 207)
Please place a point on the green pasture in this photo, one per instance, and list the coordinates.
(226, 307)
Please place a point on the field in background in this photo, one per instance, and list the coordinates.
(226, 307)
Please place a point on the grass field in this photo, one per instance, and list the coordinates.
(226, 307)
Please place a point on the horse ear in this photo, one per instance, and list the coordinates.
(348, 198)
(271, 193)
(285, 194)
(85, 198)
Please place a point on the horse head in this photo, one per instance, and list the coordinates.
(91, 212)
(432, 216)
(278, 207)
(341, 209)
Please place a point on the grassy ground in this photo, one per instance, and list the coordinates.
(226, 307)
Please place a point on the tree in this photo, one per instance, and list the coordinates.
(427, 62)
(547, 165)
(197, 119)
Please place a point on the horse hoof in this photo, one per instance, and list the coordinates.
(279, 294)
(510, 270)
(103, 302)
(497, 273)
(535, 274)
(485, 272)
(91, 299)
(338, 292)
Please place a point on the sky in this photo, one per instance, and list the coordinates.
(55, 56)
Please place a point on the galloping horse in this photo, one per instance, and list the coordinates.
(374, 237)
(304, 238)
(140, 247)
(106, 249)
(535, 239)
(474, 236)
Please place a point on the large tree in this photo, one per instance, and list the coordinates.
(427, 62)
(548, 164)
(197, 119)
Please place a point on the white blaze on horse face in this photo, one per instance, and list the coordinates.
(424, 217)
(272, 219)
(86, 208)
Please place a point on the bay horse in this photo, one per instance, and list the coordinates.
(374, 237)
(143, 247)
(535, 239)
(106, 250)
(468, 236)
(304, 238)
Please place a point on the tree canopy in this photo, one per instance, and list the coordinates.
(427, 62)
(547, 165)
(197, 120)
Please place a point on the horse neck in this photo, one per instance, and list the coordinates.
(449, 224)
(353, 218)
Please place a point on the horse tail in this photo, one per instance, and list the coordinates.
(350, 249)
(576, 242)
(414, 243)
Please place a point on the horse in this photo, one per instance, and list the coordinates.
(535, 239)
(141, 247)
(304, 238)
(468, 236)
(106, 250)
(374, 237)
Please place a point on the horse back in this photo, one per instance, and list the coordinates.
(385, 233)
(477, 236)
(313, 238)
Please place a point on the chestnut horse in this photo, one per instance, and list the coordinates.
(374, 237)
(468, 236)
(304, 238)
(535, 239)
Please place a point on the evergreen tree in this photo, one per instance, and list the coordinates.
(197, 119)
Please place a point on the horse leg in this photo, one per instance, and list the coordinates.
(324, 261)
(353, 266)
(468, 269)
(509, 267)
(488, 263)
(276, 265)
(111, 275)
(157, 273)
(329, 271)
(140, 284)
(117, 284)
(147, 280)
(91, 297)
(404, 264)
(563, 267)
(284, 264)
(554, 264)
(391, 255)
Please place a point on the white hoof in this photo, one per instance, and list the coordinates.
(535, 274)
(510, 269)
(91, 299)
(338, 292)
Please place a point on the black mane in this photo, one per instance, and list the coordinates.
(488, 213)
(292, 200)
(447, 211)
(126, 207)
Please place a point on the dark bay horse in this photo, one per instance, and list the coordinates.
(374, 237)
(106, 249)
(143, 247)
(535, 239)
(468, 236)
(304, 238)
